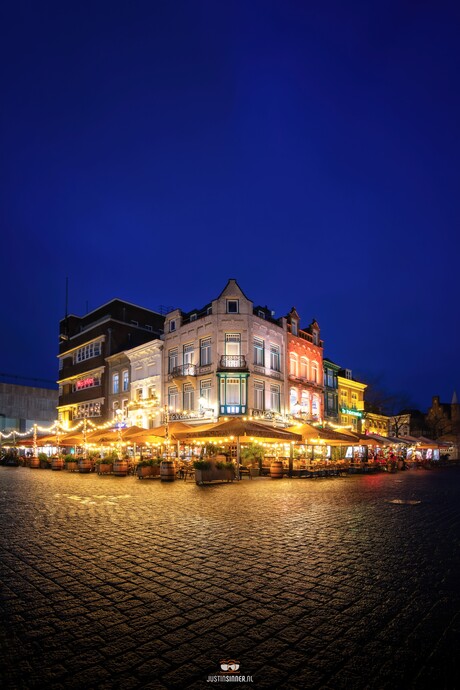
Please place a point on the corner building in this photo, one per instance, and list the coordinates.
(85, 344)
(226, 359)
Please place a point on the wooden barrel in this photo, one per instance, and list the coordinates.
(57, 463)
(276, 469)
(71, 465)
(167, 471)
(120, 468)
(34, 463)
(85, 465)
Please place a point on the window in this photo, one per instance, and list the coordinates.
(293, 370)
(304, 367)
(172, 360)
(305, 402)
(135, 323)
(315, 406)
(314, 372)
(275, 398)
(116, 383)
(192, 317)
(205, 393)
(209, 311)
(148, 327)
(87, 352)
(261, 314)
(189, 397)
(125, 376)
(232, 396)
(259, 353)
(188, 354)
(294, 327)
(330, 378)
(259, 395)
(275, 358)
(92, 409)
(232, 306)
(205, 351)
(173, 399)
(232, 343)
(316, 337)
(152, 393)
(172, 325)
(293, 400)
(139, 394)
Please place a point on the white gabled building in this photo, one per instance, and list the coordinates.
(146, 377)
(226, 359)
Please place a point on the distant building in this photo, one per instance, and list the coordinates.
(85, 344)
(23, 406)
(351, 400)
(375, 423)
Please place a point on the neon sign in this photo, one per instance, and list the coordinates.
(354, 413)
(85, 383)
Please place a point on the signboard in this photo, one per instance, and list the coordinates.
(354, 413)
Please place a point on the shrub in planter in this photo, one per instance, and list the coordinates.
(45, 461)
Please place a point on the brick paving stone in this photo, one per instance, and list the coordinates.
(114, 583)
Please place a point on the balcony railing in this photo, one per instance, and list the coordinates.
(183, 370)
(233, 362)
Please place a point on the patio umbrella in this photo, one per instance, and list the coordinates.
(240, 428)
(310, 433)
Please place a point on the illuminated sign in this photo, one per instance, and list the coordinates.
(354, 413)
(85, 383)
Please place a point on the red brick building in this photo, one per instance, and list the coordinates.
(305, 369)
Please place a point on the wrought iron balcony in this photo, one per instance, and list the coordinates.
(233, 362)
(183, 370)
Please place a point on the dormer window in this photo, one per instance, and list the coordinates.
(232, 306)
(261, 314)
(172, 325)
(315, 337)
(294, 327)
(192, 317)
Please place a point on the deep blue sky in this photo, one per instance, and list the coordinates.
(151, 150)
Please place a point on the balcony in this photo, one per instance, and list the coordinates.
(237, 362)
(182, 371)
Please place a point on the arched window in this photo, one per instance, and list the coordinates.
(305, 403)
(293, 364)
(293, 400)
(304, 367)
(314, 372)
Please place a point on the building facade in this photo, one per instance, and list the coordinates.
(225, 359)
(23, 406)
(331, 391)
(85, 343)
(146, 372)
(351, 400)
(304, 369)
(375, 423)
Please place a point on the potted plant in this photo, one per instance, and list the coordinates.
(57, 462)
(104, 465)
(45, 461)
(252, 456)
(202, 471)
(148, 468)
(226, 470)
(71, 463)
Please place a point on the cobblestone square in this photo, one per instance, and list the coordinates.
(320, 583)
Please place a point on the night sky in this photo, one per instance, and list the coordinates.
(152, 150)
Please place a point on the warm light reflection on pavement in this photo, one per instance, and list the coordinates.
(116, 582)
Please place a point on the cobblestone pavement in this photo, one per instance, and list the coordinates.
(320, 583)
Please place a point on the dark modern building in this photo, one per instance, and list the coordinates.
(84, 344)
(331, 391)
